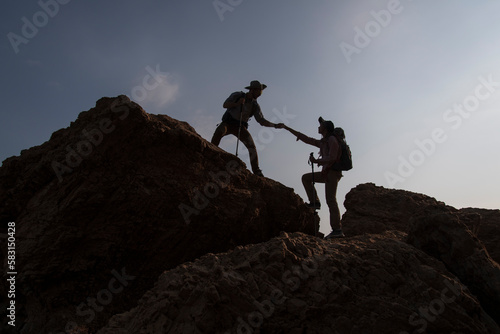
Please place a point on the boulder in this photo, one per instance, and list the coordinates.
(109, 203)
(297, 283)
(375, 209)
(441, 234)
(127, 222)
(485, 224)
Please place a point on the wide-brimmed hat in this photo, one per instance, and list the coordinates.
(327, 124)
(256, 85)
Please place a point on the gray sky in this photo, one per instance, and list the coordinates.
(414, 84)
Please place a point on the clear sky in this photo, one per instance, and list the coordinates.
(414, 84)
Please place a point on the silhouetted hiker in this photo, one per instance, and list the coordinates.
(240, 107)
(330, 152)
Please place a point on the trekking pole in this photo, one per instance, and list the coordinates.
(312, 167)
(239, 129)
(314, 193)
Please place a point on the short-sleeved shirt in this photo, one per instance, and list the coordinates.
(250, 108)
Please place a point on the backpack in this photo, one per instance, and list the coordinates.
(345, 161)
(229, 119)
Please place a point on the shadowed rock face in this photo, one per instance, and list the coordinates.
(486, 228)
(443, 236)
(128, 222)
(301, 284)
(374, 209)
(118, 191)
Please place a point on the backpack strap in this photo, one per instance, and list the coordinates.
(340, 141)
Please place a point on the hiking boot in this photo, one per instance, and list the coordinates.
(258, 172)
(315, 206)
(335, 234)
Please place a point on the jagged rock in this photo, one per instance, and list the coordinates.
(121, 194)
(487, 224)
(441, 234)
(374, 209)
(110, 203)
(300, 284)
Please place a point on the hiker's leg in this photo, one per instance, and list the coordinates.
(307, 181)
(247, 140)
(220, 132)
(331, 198)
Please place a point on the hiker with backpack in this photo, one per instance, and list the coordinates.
(331, 146)
(240, 107)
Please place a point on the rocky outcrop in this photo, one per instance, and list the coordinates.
(375, 209)
(486, 226)
(300, 284)
(442, 235)
(109, 203)
(128, 222)
(462, 239)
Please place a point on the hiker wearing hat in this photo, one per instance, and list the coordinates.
(330, 152)
(240, 107)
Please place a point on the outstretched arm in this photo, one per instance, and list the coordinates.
(265, 122)
(261, 120)
(303, 137)
(295, 133)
